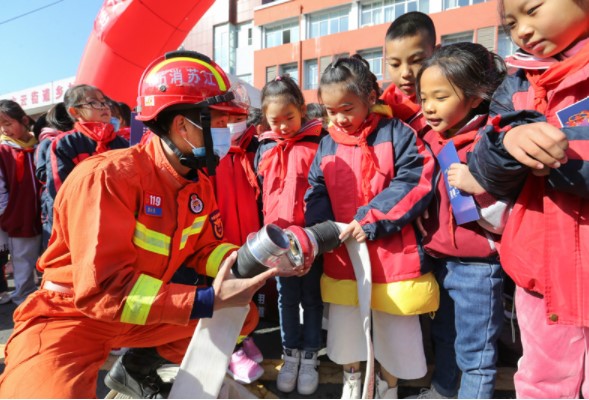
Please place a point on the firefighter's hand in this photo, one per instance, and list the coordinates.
(233, 292)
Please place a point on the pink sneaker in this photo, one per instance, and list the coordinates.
(243, 369)
(252, 350)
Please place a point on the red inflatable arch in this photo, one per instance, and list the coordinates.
(128, 35)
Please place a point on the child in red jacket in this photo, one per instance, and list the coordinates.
(409, 41)
(238, 195)
(282, 162)
(19, 196)
(374, 174)
(455, 86)
(536, 152)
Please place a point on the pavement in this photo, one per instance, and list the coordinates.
(267, 337)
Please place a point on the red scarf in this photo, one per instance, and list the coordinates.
(102, 133)
(240, 152)
(403, 107)
(543, 81)
(311, 128)
(368, 165)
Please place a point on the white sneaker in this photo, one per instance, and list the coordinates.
(383, 390)
(352, 385)
(287, 377)
(308, 375)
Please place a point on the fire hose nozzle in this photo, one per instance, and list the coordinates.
(291, 248)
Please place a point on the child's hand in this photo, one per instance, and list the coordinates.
(537, 145)
(419, 223)
(355, 230)
(460, 177)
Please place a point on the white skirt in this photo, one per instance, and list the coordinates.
(397, 340)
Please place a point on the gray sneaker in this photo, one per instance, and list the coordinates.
(430, 393)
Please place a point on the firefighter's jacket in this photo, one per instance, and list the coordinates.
(124, 223)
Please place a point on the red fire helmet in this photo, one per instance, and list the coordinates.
(185, 77)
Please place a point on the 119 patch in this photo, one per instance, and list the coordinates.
(152, 204)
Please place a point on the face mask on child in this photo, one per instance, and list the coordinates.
(237, 130)
(221, 142)
(116, 123)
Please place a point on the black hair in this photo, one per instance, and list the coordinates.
(470, 67)
(13, 110)
(39, 124)
(412, 24)
(352, 72)
(160, 125)
(120, 110)
(283, 86)
(316, 111)
(58, 118)
(124, 113)
(254, 116)
(77, 94)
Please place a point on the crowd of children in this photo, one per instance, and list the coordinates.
(458, 171)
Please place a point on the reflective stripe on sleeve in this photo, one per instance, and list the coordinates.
(151, 240)
(217, 255)
(139, 301)
(193, 229)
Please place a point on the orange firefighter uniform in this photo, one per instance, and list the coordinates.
(124, 223)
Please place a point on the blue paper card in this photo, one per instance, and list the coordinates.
(463, 205)
(575, 115)
(137, 130)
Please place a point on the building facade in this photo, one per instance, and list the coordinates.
(257, 40)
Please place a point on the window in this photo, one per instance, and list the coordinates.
(222, 46)
(486, 37)
(281, 34)
(374, 58)
(457, 38)
(324, 62)
(505, 45)
(270, 73)
(329, 23)
(460, 3)
(291, 70)
(243, 35)
(388, 10)
(311, 74)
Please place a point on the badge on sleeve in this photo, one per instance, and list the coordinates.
(196, 205)
(152, 204)
(217, 224)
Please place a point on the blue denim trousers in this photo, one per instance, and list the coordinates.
(467, 326)
(305, 291)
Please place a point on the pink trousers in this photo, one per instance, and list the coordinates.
(554, 361)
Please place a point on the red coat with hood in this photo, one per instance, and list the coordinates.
(237, 190)
(283, 167)
(545, 245)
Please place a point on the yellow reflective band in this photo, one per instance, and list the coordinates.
(139, 301)
(193, 229)
(217, 256)
(151, 240)
(216, 74)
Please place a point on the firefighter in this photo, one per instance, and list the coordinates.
(125, 221)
